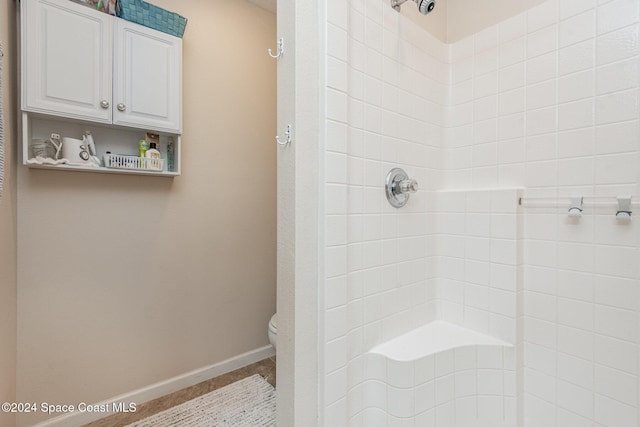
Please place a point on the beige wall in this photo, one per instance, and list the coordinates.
(8, 215)
(453, 20)
(125, 281)
(434, 22)
(467, 17)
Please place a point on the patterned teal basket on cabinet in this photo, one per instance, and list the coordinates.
(152, 16)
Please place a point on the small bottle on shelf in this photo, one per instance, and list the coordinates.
(152, 152)
(153, 157)
(143, 146)
(170, 155)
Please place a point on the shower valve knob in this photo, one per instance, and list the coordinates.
(409, 186)
(398, 187)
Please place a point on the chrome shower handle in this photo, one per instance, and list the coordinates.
(408, 186)
(398, 187)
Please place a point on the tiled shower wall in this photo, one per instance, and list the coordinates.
(386, 87)
(547, 100)
(479, 258)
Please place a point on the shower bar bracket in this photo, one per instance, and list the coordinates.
(624, 208)
(576, 206)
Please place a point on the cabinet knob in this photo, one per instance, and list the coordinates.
(104, 104)
(121, 107)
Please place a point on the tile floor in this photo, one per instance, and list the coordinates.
(266, 368)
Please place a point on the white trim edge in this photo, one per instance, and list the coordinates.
(162, 388)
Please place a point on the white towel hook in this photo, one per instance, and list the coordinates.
(280, 49)
(287, 135)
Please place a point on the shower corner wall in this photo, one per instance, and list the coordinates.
(383, 110)
(390, 271)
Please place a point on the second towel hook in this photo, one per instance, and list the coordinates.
(287, 137)
(280, 49)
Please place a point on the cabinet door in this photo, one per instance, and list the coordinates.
(148, 78)
(66, 50)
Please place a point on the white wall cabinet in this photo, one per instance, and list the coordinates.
(96, 69)
(67, 54)
(148, 78)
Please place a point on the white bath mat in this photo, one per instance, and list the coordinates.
(250, 402)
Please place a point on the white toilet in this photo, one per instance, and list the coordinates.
(273, 330)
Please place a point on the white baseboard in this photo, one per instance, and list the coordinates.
(75, 419)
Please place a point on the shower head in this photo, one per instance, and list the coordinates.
(424, 6)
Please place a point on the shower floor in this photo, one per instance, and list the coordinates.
(266, 368)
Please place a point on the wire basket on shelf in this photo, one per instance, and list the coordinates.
(119, 161)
